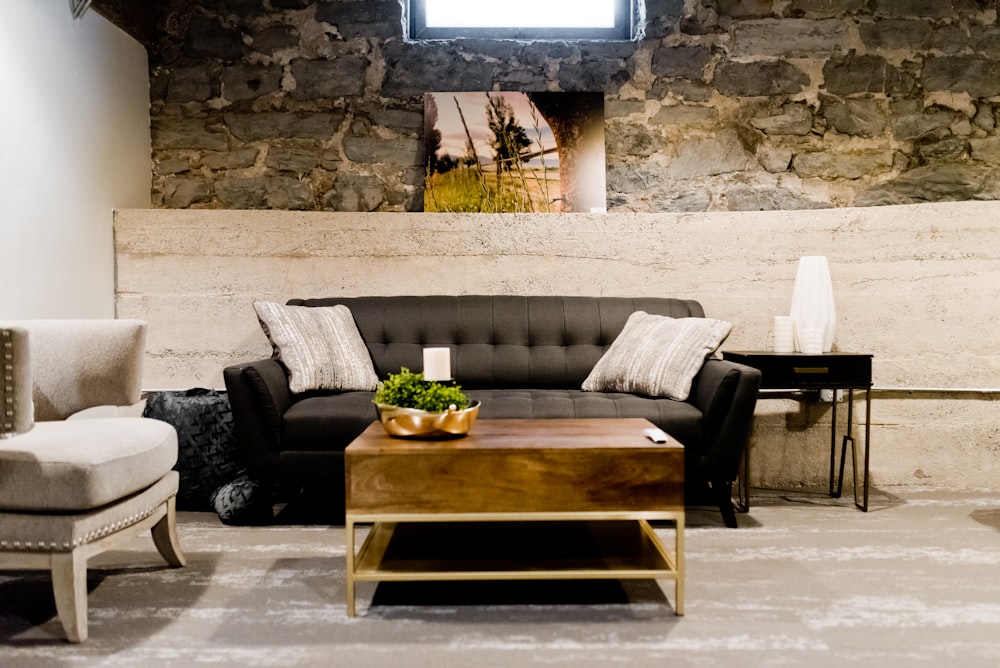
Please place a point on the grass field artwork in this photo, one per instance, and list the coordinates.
(504, 152)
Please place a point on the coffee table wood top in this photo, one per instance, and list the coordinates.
(517, 467)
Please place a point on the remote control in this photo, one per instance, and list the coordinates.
(656, 435)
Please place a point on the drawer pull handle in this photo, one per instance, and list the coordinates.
(811, 369)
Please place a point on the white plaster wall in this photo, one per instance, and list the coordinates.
(74, 131)
(917, 286)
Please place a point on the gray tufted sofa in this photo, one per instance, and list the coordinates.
(521, 356)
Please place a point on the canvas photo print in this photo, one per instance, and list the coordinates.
(504, 151)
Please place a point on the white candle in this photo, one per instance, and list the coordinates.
(437, 364)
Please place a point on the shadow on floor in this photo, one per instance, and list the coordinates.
(820, 496)
(706, 516)
(988, 516)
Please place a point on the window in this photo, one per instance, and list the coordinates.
(523, 19)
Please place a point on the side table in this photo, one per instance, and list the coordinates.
(823, 371)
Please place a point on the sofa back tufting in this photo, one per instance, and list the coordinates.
(499, 341)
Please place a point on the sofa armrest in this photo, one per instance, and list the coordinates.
(726, 393)
(259, 396)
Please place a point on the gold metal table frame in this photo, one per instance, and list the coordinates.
(511, 480)
(650, 559)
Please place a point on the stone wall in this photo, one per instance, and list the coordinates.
(918, 286)
(735, 105)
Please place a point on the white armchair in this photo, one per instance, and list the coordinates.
(70, 489)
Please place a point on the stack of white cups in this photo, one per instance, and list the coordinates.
(784, 334)
(812, 340)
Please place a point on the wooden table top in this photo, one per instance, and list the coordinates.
(517, 466)
(556, 433)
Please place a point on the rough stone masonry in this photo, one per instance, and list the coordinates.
(721, 105)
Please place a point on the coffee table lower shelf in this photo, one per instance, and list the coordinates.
(511, 547)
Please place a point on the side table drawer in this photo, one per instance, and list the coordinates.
(800, 370)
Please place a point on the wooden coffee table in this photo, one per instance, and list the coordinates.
(602, 476)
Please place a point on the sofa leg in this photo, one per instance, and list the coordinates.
(723, 492)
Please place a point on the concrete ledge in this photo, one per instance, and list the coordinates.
(918, 286)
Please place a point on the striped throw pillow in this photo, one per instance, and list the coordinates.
(657, 356)
(320, 346)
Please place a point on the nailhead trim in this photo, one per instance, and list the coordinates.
(100, 532)
(8, 381)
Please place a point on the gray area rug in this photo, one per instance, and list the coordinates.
(806, 581)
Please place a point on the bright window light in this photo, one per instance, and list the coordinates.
(525, 19)
(525, 13)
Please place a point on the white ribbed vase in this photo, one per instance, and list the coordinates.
(812, 302)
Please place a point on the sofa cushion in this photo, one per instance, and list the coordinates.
(657, 356)
(328, 421)
(331, 422)
(679, 419)
(320, 347)
(80, 464)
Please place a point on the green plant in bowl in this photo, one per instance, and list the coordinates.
(411, 407)
(409, 390)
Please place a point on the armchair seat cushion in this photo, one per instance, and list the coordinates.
(63, 532)
(82, 464)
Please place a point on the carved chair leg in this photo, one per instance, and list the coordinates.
(69, 585)
(165, 535)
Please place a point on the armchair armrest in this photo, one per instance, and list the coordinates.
(18, 411)
(259, 396)
(726, 393)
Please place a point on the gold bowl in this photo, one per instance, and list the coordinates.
(418, 424)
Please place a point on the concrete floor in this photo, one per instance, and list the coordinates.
(806, 581)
